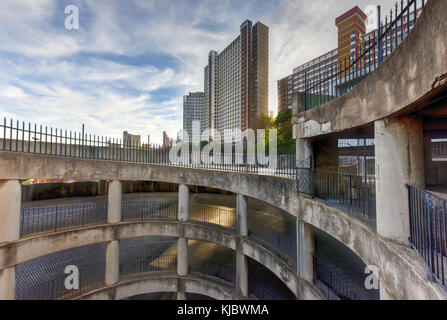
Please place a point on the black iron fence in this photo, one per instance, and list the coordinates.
(44, 278)
(354, 193)
(428, 230)
(151, 254)
(20, 137)
(281, 239)
(212, 269)
(221, 217)
(53, 218)
(149, 209)
(332, 285)
(150, 265)
(343, 76)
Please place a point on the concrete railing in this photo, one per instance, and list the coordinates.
(23, 250)
(193, 283)
(404, 82)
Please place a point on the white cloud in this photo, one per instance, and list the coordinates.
(57, 76)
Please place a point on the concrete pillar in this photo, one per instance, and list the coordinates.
(183, 203)
(8, 283)
(182, 257)
(181, 295)
(242, 274)
(305, 250)
(241, 218)
(10, 199)
(399, 161)
(115, 201)
(303, 153)
(112, 262)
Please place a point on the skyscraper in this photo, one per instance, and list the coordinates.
(236, 80)
(193, 110)
(352, 43)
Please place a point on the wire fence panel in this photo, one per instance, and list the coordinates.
(44, 278)
(428, 230)
(149, 209)
(282, 239)
(332, 285)
(212, 269)
(53, 218)
(349, 191)
(225, 218)
(146, 255)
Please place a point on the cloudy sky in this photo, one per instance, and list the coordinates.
(131, 61)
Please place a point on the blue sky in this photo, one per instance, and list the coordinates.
(131, 62)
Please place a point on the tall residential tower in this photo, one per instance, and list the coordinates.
(236, 80)
(194, 110)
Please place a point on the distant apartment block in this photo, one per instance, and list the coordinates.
(236, 80)
(352, 43)
(131, 139)
(194, 110)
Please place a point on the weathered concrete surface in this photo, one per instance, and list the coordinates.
(329, 220)
(7, 283)
(166, 283)
(25, 166)
(25, 249)
(183, 203)
(399, 161)
(241, 215)
(182, 257)
(407, 76)
(402, 271)
(242, 274)
(10, 195)
(114, 201)
(306, 250)
(112, 262)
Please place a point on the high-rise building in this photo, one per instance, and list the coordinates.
(352, 43)
(131, 139)
(236, 80)
(193, 110)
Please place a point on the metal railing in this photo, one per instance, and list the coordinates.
(439, 150)
(150, 265)
(282, 242)
(212, 269)
(212, 215)
(44, 278)
(333, 286)
(428, 230)
(149, 209)
(18, 137)
(355, 193)
(368, 55)
(53, 218)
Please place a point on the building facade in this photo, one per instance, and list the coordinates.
(131, 139)
(236, 80)
(353, 42)
(193, 110)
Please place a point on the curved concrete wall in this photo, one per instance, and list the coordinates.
(404, 81)
(29, 248)
(371, 248)
(194, 283)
